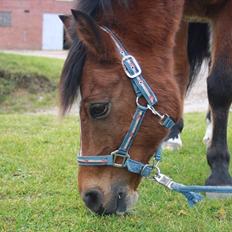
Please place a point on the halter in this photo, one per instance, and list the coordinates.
(121, 158)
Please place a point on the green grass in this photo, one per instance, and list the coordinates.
(48, 67)
(38, 190)
(28, 83)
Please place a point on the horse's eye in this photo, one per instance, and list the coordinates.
(99, 110)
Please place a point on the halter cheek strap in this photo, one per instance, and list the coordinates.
(121, 158)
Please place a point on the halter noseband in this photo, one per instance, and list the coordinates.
(121, 158)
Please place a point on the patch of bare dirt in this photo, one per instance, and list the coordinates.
(33, 83)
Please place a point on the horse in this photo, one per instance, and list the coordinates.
(104, 33)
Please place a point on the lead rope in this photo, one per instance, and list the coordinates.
(162, 179)
(191, 192)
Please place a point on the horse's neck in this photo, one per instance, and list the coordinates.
(147, 29)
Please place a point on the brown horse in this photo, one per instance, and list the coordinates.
(148, 29)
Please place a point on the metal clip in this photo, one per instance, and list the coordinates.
(163, 117)
(164, 180)
(155, 112)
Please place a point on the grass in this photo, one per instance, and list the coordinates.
(48, 67)
(39, 193)
(28, 83)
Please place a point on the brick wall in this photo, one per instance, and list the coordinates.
(25, 31)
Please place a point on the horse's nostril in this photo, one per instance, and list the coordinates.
(121, 195)
(93, 200)
(121, 202)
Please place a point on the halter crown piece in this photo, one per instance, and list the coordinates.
(121, 158)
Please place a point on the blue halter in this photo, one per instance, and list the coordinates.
(121, 158)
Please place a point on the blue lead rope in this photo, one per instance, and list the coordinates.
(191, 192)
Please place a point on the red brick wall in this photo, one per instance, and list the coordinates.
(26, 28)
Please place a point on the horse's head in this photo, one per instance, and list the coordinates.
(106, 110)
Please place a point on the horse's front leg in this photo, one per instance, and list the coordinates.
(220, 97)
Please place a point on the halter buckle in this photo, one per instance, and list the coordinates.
(131, 66)
(119, 160)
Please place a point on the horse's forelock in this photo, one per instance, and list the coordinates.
(73, 67)
(71, 75)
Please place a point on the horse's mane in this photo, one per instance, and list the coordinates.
(73, 67)
(91, 7)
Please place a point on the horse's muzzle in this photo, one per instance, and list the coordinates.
(117, 203)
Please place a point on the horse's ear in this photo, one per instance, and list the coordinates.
(66, 20)
(89, 33)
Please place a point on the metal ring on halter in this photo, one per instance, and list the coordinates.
(139, 105)
(156, 164)
(158, 171)
(144, 168)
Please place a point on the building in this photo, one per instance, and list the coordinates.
(33, 24)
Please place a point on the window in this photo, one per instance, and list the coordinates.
(5, 19)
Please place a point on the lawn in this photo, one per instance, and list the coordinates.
(38, 182)
(28, 83)
(48, 67)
